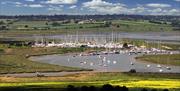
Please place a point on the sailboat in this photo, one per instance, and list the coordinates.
(148, 65)
(108, 61)
(160, 70)
(168, 68)
(158, 66)
(114, 62)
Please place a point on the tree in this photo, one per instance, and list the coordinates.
(125, 45)
(71, 88)
(107, 87)
(26, 26)
(144, 89)
(81, 27)
(46, 23)
(165, 90)
(55, 24)
(154, 90)
(2, 22)
(107, 23)
(3, 27)
(118, 26)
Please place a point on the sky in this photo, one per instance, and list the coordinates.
(90, 7)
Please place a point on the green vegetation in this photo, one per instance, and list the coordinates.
(15, 60)
(139, 43)
(173, 59)
(1, 50)
(136, 26)
(133, 81)
(16, 27)
(19, 64)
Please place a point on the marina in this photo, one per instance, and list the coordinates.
(106, 63)
(117, 56)
(89, 45)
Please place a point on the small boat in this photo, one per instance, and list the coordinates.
(159, 66)
(82, 63)
(168, 68)
(100, 65)
(108, 61)
(99, 56)
(85, 62)
(148, 65)
(91, 64)
(114, 62)
(160, 70)
(105, 65)
(132, 63)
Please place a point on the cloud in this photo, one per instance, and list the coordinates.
(9, 2)
(155, 11)
(174, 12)
(158, 5)
(30, 5)
(177, 0)
(138, 9)
(17, 3)
(160, 11)
(105, 7)
(30, 0)
(73, 6)
(35, 6)
(61, 2)
(55, 8)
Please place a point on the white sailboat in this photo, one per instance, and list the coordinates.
(114, 62)
(168, 68)
(158, 65)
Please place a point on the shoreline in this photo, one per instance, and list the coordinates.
(63, 73)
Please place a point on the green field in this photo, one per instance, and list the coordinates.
(15, 60)
(168, 59)
(141, 26)
(45, 27)
(132, 81)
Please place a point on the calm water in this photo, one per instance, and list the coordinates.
(163, 36)
(116, 63)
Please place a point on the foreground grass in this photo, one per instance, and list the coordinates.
(168, 59)
(15, 60)
(139, 80)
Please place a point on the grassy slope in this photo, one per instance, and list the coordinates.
(139, 43)
(125, 26)
(141, 26)
(14, 60)
(162, 59)
(139, 80)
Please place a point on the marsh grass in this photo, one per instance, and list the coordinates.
(132, 81)
(15, 60)
(168, 59)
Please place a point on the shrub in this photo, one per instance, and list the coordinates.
(154, 90)
(144, 89)
(132, 71)
(107, 87)
(71, 88)
(165, 90)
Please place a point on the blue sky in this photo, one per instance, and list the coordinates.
(80, 7)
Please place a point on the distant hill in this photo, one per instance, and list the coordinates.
(95, 17)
